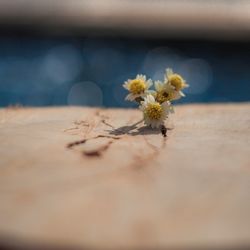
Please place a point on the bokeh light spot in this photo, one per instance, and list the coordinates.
(85, 94)
(198, 74)
(62, 64)
(157, 60)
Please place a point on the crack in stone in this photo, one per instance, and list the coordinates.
(115, 134)
(98, 152)
(75, 143)
(94, 152)
(107, 124)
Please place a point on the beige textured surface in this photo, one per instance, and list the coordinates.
(125, 188)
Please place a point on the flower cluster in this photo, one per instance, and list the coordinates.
(155, 104)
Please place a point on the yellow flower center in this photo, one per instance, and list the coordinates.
(137, 86)
(163, 96)
(154, 111)
(176, 81)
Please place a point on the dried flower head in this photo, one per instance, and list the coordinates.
(156, 104)
(165, 92)
(138, 87)
(176, 81)
(154, 113)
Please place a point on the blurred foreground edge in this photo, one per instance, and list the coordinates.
(7, 243)
(163, 18)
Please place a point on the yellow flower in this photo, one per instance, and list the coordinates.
(175, 80)
(154, 113)
(165, 92)
(138, 87)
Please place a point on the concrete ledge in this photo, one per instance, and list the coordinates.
(85, 177)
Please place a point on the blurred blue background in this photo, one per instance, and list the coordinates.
(43, 71)
(80, 52)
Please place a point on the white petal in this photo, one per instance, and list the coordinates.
(166, 108)
(150, 98)
(125, 85)
(149, 83)
(182, 94)
(171, 109)
(169, 72)
(130, 97)
(150, 92)
(177, 95)
(159, 85)
(142, 77)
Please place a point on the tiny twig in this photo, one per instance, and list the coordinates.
(70, 145)
(107, 124)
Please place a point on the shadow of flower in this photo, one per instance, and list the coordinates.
(122, 130)
(146, 130)
(134, 130)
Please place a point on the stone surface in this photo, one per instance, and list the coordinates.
(88, 177)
